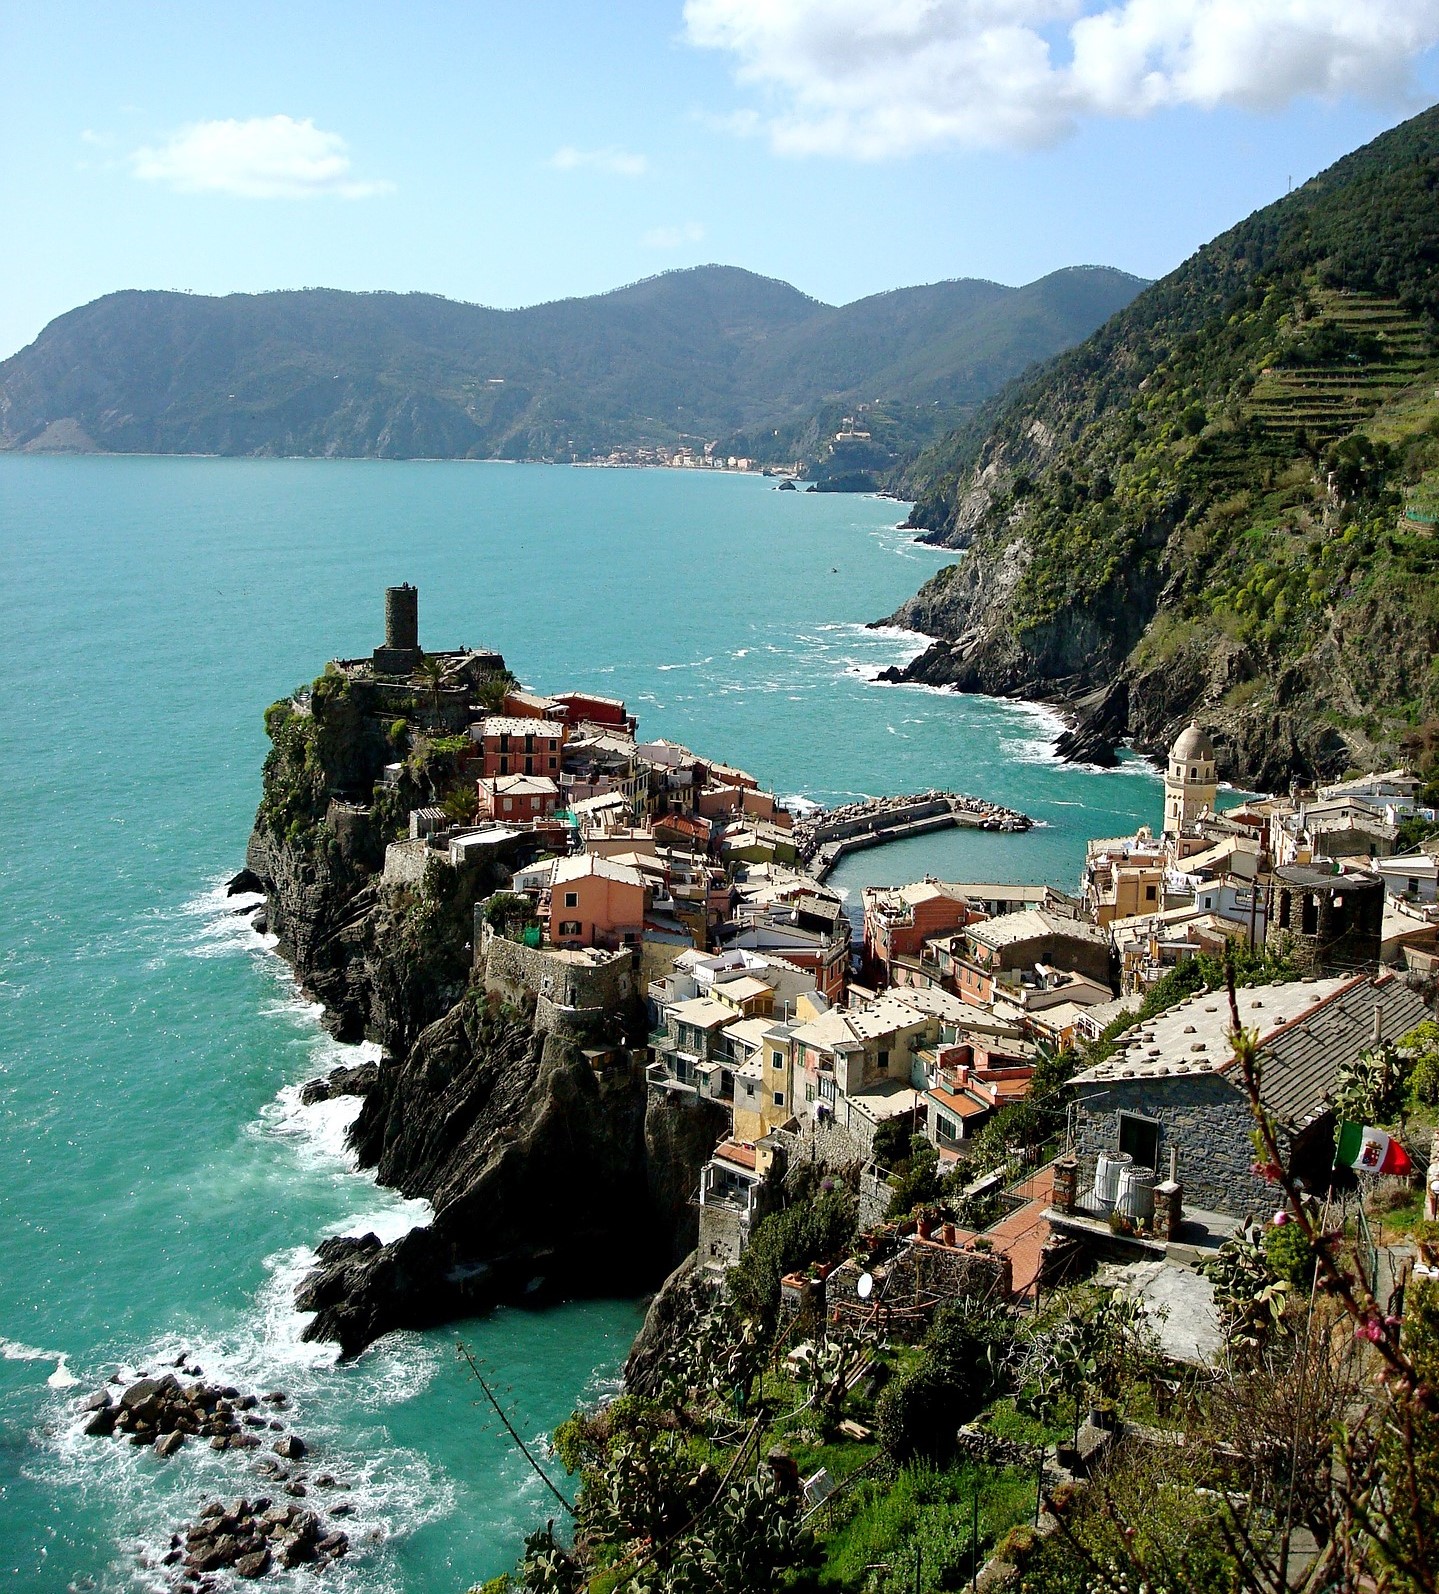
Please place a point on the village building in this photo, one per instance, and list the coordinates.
(739, 1185)
(1125, 876)
(1174, 1086)
(1327, 918)
(594, 902)
(1413, 876)
(899, 921)
(515, 746)
(518, 799)
(810, 930)
(1190, 782)
(1005, 952)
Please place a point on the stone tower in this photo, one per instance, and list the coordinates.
(401, 654)
(1190, 784)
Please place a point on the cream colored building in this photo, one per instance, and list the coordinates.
(1190, 784)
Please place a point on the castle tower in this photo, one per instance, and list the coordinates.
(1190, 784)
(402, 617)
(401, 654)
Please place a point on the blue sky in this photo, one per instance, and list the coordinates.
(512, 153)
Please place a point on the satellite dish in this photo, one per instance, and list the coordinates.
(865, 1286)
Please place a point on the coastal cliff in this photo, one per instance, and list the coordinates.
(524, 1121)
(1219, 505)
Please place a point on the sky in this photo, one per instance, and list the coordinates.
(512, 153)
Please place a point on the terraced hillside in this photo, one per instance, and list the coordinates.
(1224, 503)
(1343, 358)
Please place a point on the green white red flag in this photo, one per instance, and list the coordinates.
(1370, 1150)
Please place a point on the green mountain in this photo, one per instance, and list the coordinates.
(710, 354)
(1223, 503)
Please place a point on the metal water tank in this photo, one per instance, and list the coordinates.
(1106, 1175)
(1136, 1192)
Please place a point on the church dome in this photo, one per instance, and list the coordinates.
(1192, 745)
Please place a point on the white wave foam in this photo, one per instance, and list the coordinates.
(62, 1377)
(11, 1350)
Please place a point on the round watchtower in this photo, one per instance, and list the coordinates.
(402, 617)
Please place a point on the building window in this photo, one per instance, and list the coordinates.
(809, 1092)
(508, 805)
(553, 762)
(569, 927)
(1149, 893)
(776, 1059)
(882, 1061)
(572, 899)
(1140, 1138)
(779, 1098)
(946, 1128)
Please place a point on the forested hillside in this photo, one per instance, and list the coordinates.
(1224, 501)
(713, 354)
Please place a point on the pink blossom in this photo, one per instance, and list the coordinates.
(1281, 1218)
(1371, 1329)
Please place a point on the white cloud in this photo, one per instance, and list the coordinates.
(873, 80)
(617, 162)
(266, 157)
(673, 237)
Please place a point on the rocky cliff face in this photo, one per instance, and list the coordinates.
(1205, 509)
(534, 1164)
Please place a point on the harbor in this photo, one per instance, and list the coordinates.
(828, 837)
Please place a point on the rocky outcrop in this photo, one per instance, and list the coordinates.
(359, 946)
(535, 1163)
(358, 1080)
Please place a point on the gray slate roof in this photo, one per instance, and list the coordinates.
(1298, 1066)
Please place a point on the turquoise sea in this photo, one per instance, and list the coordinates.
(162, 1186)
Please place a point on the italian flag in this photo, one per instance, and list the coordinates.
(1370, 1150)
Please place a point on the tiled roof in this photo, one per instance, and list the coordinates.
(1033, 924)
(506, 725)
(1298, 1065)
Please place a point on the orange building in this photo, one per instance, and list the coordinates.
(510, 745)
(518, 797)
(596, 902)
(898, 922)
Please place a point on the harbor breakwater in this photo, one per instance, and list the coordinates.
(825, 838)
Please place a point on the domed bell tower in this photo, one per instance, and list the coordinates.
(1190, 781)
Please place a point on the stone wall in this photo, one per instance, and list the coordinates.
(405, 862)
(1202, 1114)
(512, 971)
(722, 1236)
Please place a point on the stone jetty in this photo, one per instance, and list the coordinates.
(824, 838)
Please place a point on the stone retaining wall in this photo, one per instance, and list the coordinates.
(405, 862)
(511, 970)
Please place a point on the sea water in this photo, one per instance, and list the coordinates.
(162, 1186)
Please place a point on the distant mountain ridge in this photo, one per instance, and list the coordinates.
(713, 353)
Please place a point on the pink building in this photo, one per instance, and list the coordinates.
(518, 797)
(510, 745)
(596, 902)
